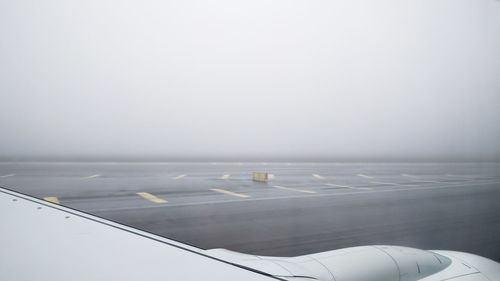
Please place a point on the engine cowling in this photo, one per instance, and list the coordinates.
(370, 263)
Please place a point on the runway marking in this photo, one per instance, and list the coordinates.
(361, 192)
(427, 181)
(179, 177)
(417, 179)
(93, 176)
(270, 176)
(293, 189)
(365, 176)
(51, 199)
(409, 176)
(6, 176)
(458, 176)
(318, 176)
(151, 197)
(230, 193)
(347, 186)
(225, 176)
(388, 183)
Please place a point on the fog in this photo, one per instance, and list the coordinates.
(251, 79)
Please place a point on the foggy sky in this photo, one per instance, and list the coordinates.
(343, 79)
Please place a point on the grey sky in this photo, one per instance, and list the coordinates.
(363, 79)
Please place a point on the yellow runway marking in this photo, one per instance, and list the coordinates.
(6, 176)
(225, 177)
(365, 176)
(230, 193)
(51, 199)
(293, 189)
(179, 177)
(151, 197)
(318, 176)
(93, 176)
(347, 186)
(387, 183)
(297, 196)
(270, 176)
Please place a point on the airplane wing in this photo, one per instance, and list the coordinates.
(44, 241)
(40, 241)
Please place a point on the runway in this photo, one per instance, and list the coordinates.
(303, 207)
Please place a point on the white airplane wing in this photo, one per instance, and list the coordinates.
(41, 241)
(44, 241)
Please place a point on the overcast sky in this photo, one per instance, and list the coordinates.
(362, 78)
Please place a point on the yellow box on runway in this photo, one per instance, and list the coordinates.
(259, 176)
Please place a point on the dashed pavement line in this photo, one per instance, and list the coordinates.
(388, 183)
(347, 186)
(410, 176)
(51, 199)
(179, 177)
(360, 192)
(230, 193)
(427, 181)
(151, 197)
(318, 176)
(293, 189)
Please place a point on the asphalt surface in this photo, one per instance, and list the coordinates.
(305, 208)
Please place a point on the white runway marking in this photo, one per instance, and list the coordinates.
(225, 176)
(427, 181)
(459, 176)
(318, 176)
(417, 179)
(6, 176)
(93, 176)
(347, 186)
(310, 196)
(179, 177)
(388, 183)
(229, 192)
(365, 176)
(293, 189)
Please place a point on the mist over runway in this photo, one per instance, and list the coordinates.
(224, 79)
(303, 207)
